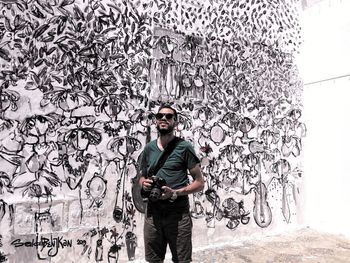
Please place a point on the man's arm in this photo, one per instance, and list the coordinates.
(143, 181)
(195, 186)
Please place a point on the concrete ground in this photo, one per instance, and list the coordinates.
(300, 246)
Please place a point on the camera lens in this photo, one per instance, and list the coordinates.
(154, 194)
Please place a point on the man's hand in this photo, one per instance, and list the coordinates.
(146, 184)
(167, 193)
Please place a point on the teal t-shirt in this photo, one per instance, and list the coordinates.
(174, 170)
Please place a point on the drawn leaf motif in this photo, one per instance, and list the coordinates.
(30, 85)
(20, 7)
(52, 49)
(126, 44)
(108, 30)
(39, 62)
(96, 6)
(2, 209)
(134, 16)
(58, 79)
(133, 27)
(90, 16)
(41, 29)
(44, 102)
(4, 54)
(61, 39)
(64, 12)
(63, 47)
(17, 21)
(98, 26)
(115, 7)
(102, 6)
(35, 77)
(46, 6)
(78, 13)
(42, 72)
(8, 26)
(101, 104)
(41, 51)
(47, 39)
(61, 26)
(67, 2)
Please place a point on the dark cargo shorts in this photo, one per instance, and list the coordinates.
(170, 228)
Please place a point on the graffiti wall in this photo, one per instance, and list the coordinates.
(79, 83)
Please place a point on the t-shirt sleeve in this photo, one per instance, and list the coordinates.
(143, 163)
(191, 157)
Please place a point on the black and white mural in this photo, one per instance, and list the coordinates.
(79, 80)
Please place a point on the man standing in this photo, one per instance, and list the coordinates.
(168, 220)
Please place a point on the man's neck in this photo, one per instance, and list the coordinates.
(164, 139)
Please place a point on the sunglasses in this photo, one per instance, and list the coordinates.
(168, 116)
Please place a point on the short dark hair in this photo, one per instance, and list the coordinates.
(167, 106)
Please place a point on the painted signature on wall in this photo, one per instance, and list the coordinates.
(50, 245)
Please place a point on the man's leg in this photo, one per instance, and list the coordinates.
(155, 243)
(178, 232)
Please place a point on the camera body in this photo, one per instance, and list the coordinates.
(156, 189)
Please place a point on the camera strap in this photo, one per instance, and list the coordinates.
(164, 156)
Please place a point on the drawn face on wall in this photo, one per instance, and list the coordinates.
(167, 44)
(37, 126)
(281, 167)
(231, 119)
(234, 153)
(268, 137)
(205, 114)
(246, 125)
(124, 146)
(284, 124)
(79, 140)
(295, 114)
(165, 121)
(266, 117)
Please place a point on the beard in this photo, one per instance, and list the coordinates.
(164, 131)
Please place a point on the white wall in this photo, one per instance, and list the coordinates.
(326, 156)
(325, 55)
(325, 50)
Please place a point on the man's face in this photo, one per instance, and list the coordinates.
(165, 121)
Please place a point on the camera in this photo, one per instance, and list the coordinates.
(156, 189)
